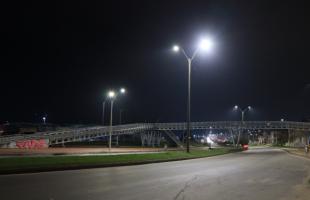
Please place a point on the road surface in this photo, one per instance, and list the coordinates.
(258, 174)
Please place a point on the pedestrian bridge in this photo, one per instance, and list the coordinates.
(93, 132)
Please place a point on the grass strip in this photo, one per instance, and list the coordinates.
(40, 164)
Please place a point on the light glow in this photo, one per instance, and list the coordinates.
(111, 94)
(206, 44)
(123, 90)
(176, 48)
(209, 140)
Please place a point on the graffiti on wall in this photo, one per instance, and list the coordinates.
(30, 144)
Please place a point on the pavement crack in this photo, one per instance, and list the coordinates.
(186, 185)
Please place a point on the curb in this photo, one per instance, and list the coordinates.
(296, 154)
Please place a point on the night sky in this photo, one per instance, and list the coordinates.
(60, 59)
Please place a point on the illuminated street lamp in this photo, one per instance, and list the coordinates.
(122, 91)
(44, 119)
(243, 111)
(112, 96)
(205, 45)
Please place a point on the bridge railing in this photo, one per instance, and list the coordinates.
(89, 132)
(99, 131)
(234, 125)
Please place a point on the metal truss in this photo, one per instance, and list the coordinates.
(80, 134)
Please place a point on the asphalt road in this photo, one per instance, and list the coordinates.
(255, 174)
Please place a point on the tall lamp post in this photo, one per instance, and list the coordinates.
(103, 107)
(112, 96)
(243, 111)
(122, 91)
(205, 44)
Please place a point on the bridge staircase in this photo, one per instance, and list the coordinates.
(174, 138)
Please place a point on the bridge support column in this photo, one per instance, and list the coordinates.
(149, 138)
(233, 133)
(240, 130)
(158, 139)
(117, 140)
(272, 137)
(143, 139)
(152, 138)
(289, 137)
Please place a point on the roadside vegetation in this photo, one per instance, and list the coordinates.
(51, 163)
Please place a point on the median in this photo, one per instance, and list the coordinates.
(13, 165)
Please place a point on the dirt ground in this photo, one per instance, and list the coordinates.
(298, 151)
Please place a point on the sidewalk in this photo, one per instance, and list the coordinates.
(297, 151)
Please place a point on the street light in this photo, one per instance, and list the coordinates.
(122, 91)
(44, 119)
(176, 48)
(243, 111)
(205, 45)
(112, 96)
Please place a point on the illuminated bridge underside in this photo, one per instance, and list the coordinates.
(81, 134)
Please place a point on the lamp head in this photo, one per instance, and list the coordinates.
(176, 48)
(111, 94)
(122, 90)
(206, 44)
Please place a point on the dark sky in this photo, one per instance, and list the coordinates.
(61, 58)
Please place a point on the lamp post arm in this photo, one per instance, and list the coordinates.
(195, 53)
(185, 54)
